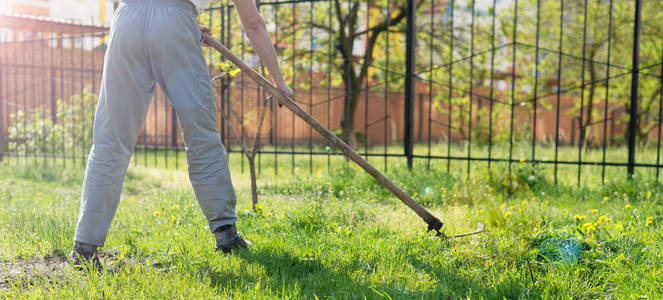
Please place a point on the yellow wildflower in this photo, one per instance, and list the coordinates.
(606, 198)
(649, 221)
(268, 215)
(602, 219)
(507, 214)
(547, 202)
(533, 198)
(579, 217)
(176, 206)
(415, 194)
(594, 210)
(524, 202)
(481, 211)
(589, 226)
(512, 207)
(503, 205)
(157, 213)
(522, 159)
(648, 195)
(628, 206)
(465, 206)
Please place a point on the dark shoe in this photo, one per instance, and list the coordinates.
(85, 255)
(227, 239)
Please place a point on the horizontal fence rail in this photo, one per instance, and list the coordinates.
(568, 86)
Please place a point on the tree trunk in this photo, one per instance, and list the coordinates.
(350, 104)
(590, 102)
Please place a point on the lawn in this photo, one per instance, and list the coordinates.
(335, 233)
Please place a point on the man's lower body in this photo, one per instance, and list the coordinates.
(154, 41)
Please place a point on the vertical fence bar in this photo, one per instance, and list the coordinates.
(409, 80)
(559, 84)
(43, 75)
(329, 68)
(581, 130)
(492, 84)
(52, 86)
(310, 89)
(72, 91)
(368, 25)
(294, 86)
(83, 100)
(386, 88)
(242, 133)
(471, 88)
(513, 81)
(275, 129)
(24, 91)
(536, 79)
(451, 82)
(607, 93)
(660, 120)
(430, 81)
(632, 124)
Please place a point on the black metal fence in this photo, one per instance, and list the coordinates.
(457, 85)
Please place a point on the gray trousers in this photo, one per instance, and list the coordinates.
(153, 41)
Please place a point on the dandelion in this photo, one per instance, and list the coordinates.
(507, 214)
(522, 159)
(649, 221)
(415, 194)
(176, 206)
(547, 202)
(589, 226)
(524, 202)
(503, 205)
(465, 206)
(269, 215)
(594, 210)
(533, 198)
(579, 217)
(628, 206)
(480, 211)
(602, 219)
(157, 213)
(606, 198)
(512, 207)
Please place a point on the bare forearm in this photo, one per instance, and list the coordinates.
(255, 29)
(262, 45)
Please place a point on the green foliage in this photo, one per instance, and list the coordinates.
(36, 133)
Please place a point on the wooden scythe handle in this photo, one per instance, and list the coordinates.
(433, 222)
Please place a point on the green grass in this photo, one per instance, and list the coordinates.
(334, 233)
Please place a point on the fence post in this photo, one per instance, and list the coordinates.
(634, 90)
(409, 80)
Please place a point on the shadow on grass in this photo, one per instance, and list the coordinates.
(309, 276)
